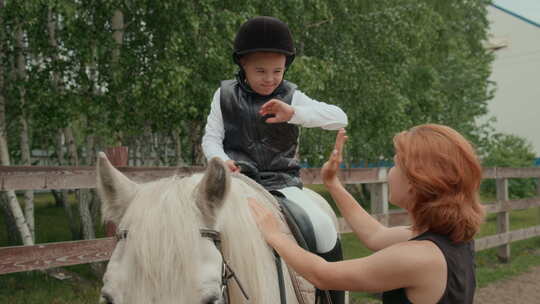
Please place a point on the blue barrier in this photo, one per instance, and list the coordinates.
(377, 164)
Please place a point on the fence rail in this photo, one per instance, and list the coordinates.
(50, 255)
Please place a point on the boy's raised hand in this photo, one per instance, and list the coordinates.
(282, 112)
(331, 166)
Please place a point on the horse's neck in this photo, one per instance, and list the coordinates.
(248, 253)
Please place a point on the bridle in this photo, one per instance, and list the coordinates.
(227, 272)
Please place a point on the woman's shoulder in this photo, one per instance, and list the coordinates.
(420, 252)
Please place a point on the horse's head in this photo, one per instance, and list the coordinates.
(160, 242)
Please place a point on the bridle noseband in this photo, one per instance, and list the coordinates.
(227, 272)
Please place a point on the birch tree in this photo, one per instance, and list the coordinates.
(8, 198)
(25, 231)
(23, 120)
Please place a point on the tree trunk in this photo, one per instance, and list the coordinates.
(117, 23)
(178, 147)
(11, 227)
(136, 153)
(61, 196)
(148, 148)
(85, 198)
(197, 156)
(72, 147)
(65, 135)
(13, 235)
(20, 221)
(161, 148)
(83, 195)
(4, 150)
(118, 33)
(25, 225)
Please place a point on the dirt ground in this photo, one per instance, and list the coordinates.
(524, 288)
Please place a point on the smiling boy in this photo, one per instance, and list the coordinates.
(255, 118)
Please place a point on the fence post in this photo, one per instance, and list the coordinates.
(118, 157)
(503, 220)
(538, 193)
(379, 196)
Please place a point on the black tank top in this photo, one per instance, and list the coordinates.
(461, 279)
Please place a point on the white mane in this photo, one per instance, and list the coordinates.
(164, 221)
(163, 224)
(245, 248)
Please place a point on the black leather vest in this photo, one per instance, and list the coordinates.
(271, 148)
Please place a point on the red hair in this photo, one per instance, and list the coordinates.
(445, 175)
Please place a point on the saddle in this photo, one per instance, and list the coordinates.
(303, 232)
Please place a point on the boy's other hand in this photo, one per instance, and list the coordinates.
(282, 112)
(330, 168)
(232, 166)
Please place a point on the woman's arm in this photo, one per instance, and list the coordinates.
(404, 265)
(372, 233)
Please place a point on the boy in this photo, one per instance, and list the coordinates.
(255, 117)
(254, 121)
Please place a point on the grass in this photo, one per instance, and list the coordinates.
(52, 226)
(35, 287)
(525, 254)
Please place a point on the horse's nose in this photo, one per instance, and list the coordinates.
(212, 300)
(106, 298)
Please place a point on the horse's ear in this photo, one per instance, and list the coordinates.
(114, 189)
(212, 190)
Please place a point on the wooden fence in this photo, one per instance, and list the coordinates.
(49, 255)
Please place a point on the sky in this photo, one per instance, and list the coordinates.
(528, 9)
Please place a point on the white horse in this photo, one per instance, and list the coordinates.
(162, 257)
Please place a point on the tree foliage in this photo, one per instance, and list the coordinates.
(390, 64)
(504, 150)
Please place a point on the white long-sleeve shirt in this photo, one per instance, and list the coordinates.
(308, 113)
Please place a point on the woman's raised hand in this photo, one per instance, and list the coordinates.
(331, 166)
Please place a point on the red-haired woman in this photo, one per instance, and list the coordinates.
(436, 179)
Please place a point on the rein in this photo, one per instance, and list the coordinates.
(226, 271)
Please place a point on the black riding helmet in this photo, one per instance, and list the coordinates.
(264, 34)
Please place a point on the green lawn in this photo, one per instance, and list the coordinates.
(52, 226)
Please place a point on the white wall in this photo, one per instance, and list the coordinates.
(516, 70)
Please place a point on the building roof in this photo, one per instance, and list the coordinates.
(526, 10)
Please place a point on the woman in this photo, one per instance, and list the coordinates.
(436, 178)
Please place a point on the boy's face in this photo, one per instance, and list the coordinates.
(264, 71)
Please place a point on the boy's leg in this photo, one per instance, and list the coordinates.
(334, 255)
(327, 239)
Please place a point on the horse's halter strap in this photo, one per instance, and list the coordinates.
(226, 271)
